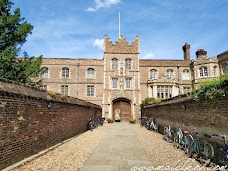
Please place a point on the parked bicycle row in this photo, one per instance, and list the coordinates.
(95, 122)
(149, 123)
(196, 148)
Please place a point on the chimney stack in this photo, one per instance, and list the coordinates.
(201, 53)
(186, 49)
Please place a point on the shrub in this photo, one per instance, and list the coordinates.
(150, 101)
(133, 121)
(212, 89)
(110, 120)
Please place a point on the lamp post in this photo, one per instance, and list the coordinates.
(78, 65)
(178, 72)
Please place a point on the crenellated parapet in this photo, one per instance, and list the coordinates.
(121, 45)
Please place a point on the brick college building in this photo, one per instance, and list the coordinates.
(120, 81)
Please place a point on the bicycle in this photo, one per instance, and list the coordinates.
(151, 125)
(204, 153)
(92, 124)
(168, 133)
(222, 153)
(182, 139)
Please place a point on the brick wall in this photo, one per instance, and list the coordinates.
(205, 116)
(210, 115)
(28, 126)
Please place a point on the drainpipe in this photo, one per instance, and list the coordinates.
(78, 65)
(178, 71)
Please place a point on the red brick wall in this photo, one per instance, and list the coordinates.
(208, 115)
(42, 127)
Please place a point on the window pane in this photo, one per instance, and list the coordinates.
(64, 89)
(45, 73)
(185, 74)
(169, 73)
(90, 90)
(164, 92)
(153, 74)
(215, 70)
(114, 63)
(65, 73)
(128, 83)
(128, 63)
(90, 73)
(114, 82)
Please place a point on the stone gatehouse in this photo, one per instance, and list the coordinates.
(120, 81)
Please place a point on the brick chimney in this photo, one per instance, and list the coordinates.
(186, 49)
(201, 53)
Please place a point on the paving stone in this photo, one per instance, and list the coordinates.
(121, 148)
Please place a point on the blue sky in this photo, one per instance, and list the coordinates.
(76, 28)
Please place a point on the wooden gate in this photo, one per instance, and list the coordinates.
(121, 110)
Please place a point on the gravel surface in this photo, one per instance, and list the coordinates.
(69, 156)
(163, 153)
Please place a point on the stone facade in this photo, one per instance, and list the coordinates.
(120, 81)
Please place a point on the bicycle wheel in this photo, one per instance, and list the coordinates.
(207, 154)
(187, 142)
(221, 157)
(165, 133)
(190, 149)
(176, 140)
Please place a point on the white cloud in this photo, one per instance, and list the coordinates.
(99, 43)
(147, 56)
(103, 4)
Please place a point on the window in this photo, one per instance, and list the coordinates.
(186, 90)
(64, 89)
(153, 74)
(225, 69)
(90, 90)
(90, 73)
(185, 74)
(203, 72)
(43, 87)
(164, 92)
(128, 83)
(114, 64)
(215, 70)
(128, 64)
(169, 73)
(44, 73)
(114, 83)
(65, 73)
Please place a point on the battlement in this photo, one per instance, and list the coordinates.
(121, 45)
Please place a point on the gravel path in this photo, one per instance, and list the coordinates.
(69, 156)
(163, 153)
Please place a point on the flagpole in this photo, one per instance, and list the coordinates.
(119, 24)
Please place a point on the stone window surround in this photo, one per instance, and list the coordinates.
(65, 72)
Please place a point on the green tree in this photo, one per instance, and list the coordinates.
(13, 32)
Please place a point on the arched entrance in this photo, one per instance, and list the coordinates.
(121, 110)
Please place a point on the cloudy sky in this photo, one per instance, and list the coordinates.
(76, 28)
